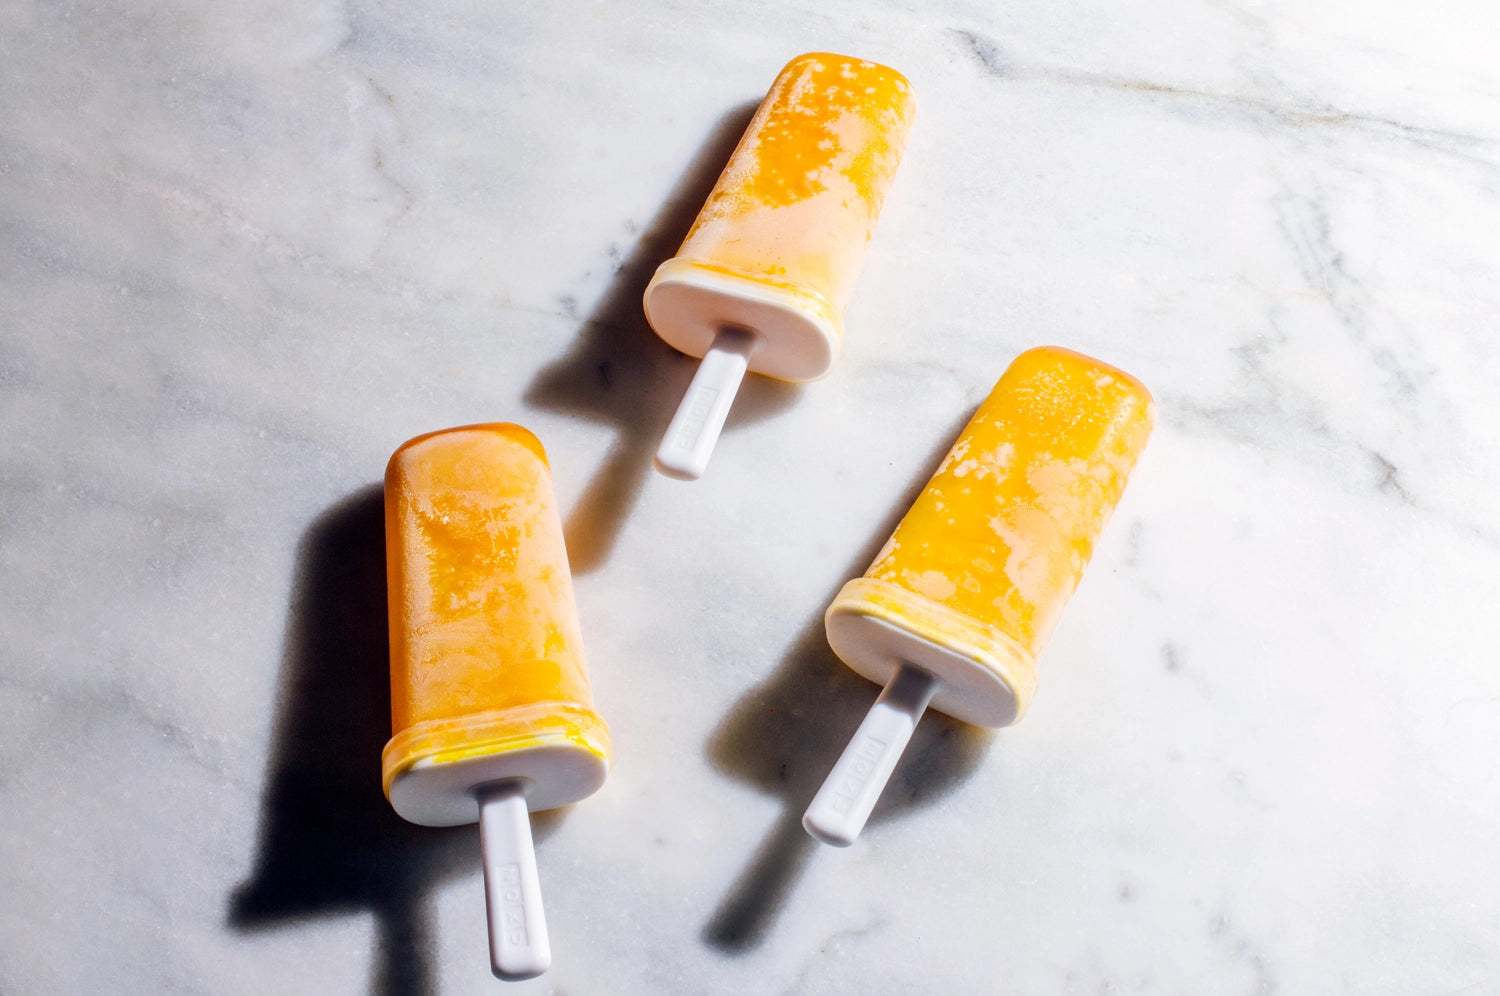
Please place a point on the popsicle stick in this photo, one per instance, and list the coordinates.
(690, 439)
(512, 891)
(841, 807)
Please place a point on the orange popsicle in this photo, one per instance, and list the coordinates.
(490, 703)
(969, 587)
(762, 280)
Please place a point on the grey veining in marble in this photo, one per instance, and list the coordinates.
(246, 249)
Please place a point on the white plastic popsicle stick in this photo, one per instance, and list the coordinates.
(841, 807)
(512, 891)
(690, 439)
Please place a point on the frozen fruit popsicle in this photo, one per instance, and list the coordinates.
(763, 277)
(490, 703)
(968, 588)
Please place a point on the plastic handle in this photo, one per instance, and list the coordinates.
(690, 439)
(512, 891)
(841, 807)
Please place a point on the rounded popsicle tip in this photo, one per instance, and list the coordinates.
(459, 434)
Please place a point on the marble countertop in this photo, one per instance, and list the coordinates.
(247, 249)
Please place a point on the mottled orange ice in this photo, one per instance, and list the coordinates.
(801, 194)
(486, 654)
(989, 554)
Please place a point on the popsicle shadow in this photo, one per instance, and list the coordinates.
(329, 841)
(785, 735)
(619, 373)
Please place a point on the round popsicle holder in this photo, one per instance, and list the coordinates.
(439, 791)
(975, 675)
(500, 789)
(735, 323)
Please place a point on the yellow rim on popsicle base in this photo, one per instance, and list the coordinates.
(689, 301)
(432, 769)
(984, 677)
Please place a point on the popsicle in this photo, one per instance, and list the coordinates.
(762, 280)
(967, 590)
(491, 712)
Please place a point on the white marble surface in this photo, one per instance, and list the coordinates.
(248, 248)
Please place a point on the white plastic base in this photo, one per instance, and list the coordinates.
(687, 303)
(967, 689)
(442, 794)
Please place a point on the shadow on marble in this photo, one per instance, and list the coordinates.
(619, 373)
(330, 844)
(785, 735)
